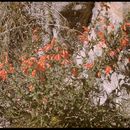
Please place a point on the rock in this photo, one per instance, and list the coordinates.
(117, 10)
(78, 14)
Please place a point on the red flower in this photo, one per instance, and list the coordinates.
(53, 41)
(3, 74)
(24, 69)
(48, 65)
(29, 62)
(83, 38)
(101, 35)
(88, 65)
(111, 25)
(108, 69)
(57, 49)
(127, 24)
(65, 54)
(65, 62)
(34, 73)
(43, 58)
(57, 57)
(124, 42)
(85, 29)
(33, 59)
(50, 57)
(123, 27)
(74, 72)
(98, 74)
(112, 53)
(47, 47)
(41, 66)
(118, 49)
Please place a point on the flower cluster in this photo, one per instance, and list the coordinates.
(6, 68)
(53, 53)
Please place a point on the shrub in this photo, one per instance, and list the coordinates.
(51, 89)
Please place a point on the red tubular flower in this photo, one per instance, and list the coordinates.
(24, 70)
(53, 41)
(29, 62)
(57, 57)
(112, 53)
(127, 24)
(111, 25)
(74, 72)
(50, 57)
(34, 73)
(3, 75)
(33, 59)
(123, 27)
(86, 30)
(108, 69)
(65, 62)
(41, 66)
(88, 65)
(124, 42)
(101, 35)
(57, 49)
(83, 38)
(43, 58)
(118, 49)
(49, 46)
(98, 74)
(65, 54)
(48, 65)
